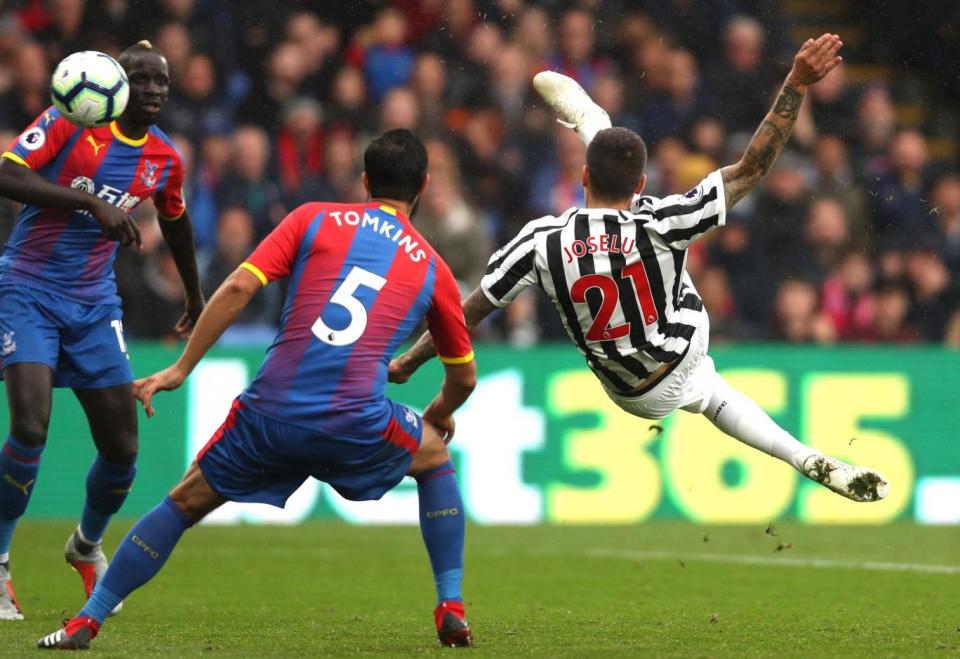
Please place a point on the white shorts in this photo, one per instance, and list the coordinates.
(687, 387)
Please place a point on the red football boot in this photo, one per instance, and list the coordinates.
(452, 629)
(75, 635)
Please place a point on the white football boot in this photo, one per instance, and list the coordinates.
(854, 483)
(574, 107)
(9, 607)
(89, 566)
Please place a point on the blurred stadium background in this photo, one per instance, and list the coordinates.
(834, 292)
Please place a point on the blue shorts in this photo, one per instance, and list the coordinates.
(253, 458)
(82, 343)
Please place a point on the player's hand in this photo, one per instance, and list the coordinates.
(192, 311)
(166, 380)
(116, 223)
(444, 423)
(815, 60)
(397, 372)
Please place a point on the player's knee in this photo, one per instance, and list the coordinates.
(31, 431)
(432, 453)
(121, 456)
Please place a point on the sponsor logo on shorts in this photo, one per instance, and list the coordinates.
(411, 417)
(33, 139)
(153, 553)
(8, 345)
(446, 512)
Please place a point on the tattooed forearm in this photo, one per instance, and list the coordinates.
(788, 103)
(767, 143)
(475, 308)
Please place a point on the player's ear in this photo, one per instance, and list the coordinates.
(585, 177)
(366, 182)
(641, 185)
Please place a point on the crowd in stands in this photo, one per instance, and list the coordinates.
(854, 236)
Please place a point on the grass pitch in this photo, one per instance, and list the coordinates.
(660, 589)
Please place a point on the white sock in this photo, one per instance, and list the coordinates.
(592, 125)
(5, 558)
(741, 418)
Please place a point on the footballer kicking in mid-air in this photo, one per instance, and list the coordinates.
(60, 316)
(615, 270)
(360, 281)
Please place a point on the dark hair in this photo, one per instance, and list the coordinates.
(616, 159)
(396, 165)
(139, 48)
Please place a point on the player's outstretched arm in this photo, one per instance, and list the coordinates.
(178, 235)
(226, 304)
(22, 184)
(815, 60)
(476, 307)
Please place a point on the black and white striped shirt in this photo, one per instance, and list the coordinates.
(618, 278)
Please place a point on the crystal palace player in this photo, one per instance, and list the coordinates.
(59, 311)
(616, 272)
(360, 280)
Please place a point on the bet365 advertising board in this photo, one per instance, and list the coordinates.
(539, 442)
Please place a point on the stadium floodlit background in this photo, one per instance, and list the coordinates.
(834, 297)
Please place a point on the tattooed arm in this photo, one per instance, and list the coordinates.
(814, 61)
(476, 307)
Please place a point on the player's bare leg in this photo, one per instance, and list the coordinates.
(140, 556)
(442, 526)
(29, 396)
(574, 107)
(741, 418)
(112, 415)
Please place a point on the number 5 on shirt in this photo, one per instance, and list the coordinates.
(344, 296)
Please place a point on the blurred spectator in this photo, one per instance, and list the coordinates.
(30, 93)
(342, 164)
(348, 108)
(781, 206)
(173, 40)
(385, 58)
(300, 144)
(400, 109)
(832, 103)
(744, 95)
(670, 112)
(876, 123)
(826, 238)
(556, 185)
(945, 202)
(195, 106)
(247, 182)
(899, 206)
(150, 286)
(934, 295)
(575, 55)
(429, 83)
(449, 223)
(235, 241)
(847, 297)
(891, 305)
(285, 70)
(726, 324)
(796, 318)
(834, 178)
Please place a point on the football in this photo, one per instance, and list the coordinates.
(89, 88)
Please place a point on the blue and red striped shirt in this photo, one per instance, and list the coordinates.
(361, 278)
(64, 251)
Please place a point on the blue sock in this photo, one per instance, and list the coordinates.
(19, 464)
(138, 558)
(107, 487)
(443, 528)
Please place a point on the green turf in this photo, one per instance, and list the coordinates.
(330, 589)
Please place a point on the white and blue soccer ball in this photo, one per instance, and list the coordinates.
(89, 88)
